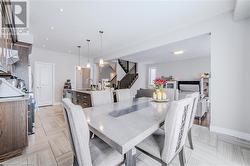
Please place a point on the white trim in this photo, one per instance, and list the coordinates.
(238, 134)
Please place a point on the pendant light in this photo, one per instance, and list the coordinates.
(79, 59)
(88, 64)
(101, 62)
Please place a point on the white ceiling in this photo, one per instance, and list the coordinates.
(124, 23)
(196, 47)
(242, 9)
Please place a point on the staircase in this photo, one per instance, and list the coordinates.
(131, 74)
(124, 64)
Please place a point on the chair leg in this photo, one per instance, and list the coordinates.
(190, 139)
(182, 157)
(91, 135)
(75, 163)
(164, 164)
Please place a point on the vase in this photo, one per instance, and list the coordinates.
(159, 94)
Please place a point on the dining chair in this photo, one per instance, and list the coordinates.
(123, 94)
(87, 152)
(195, 97)
(164, 145)
(101, 97)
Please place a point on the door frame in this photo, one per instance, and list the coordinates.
(53, 79)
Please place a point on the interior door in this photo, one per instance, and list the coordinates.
(86, 78)
(83, 78)
(79, 80)
(44, 84)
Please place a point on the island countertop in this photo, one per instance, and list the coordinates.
(9, 99)
(82, 91)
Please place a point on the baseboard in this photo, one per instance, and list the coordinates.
(234, 133)
(57, 103)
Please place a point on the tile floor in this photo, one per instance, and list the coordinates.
(49, 146)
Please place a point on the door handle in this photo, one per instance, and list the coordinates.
(1, 133)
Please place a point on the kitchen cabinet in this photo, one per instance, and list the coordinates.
(13, 128)
(83, 99)
(7, 36)
(79, 97)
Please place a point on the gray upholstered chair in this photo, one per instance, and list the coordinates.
(87, 152)
(123, 94)
(164, 145)
(144, 93)
(195, 97)
(101, 97)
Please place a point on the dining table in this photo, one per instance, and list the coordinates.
(125, 124)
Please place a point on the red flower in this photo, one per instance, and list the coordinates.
(159, 82)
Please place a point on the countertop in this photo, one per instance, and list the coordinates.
(9, 99)
(79, 90)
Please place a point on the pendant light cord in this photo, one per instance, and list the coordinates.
(79, 56)
(88, 49)
(101, 33)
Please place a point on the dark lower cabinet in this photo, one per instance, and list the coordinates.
(80, 98)
(13, 128)
(83, 99)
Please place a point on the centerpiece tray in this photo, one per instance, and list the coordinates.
(160, 101)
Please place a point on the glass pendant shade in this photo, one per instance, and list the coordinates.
(78, 67)
(101, 62)
(88, 64)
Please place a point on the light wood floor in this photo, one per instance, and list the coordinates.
(49, 146)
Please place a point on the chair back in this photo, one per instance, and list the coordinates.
(78, 130)
(101, 97)
(123, 94)
(195, 97)
(176, 128)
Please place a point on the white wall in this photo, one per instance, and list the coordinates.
(142, 79)
(64, 67)
(184, 70)
(230, 82)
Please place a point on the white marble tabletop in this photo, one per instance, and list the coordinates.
(125, 124)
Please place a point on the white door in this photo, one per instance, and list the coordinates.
(44, 83)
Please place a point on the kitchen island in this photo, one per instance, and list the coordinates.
(80, 97)
(13, 126)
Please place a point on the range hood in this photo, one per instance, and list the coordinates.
(12, 56)
(7, 90)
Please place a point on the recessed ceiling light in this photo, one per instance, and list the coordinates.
(43, 45)
(47, 38)
(61, 10)
(52, 28)
(178, 52)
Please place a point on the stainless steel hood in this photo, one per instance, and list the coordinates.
(12, 56)
(7, 90)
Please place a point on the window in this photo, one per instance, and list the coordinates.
(152, 75)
